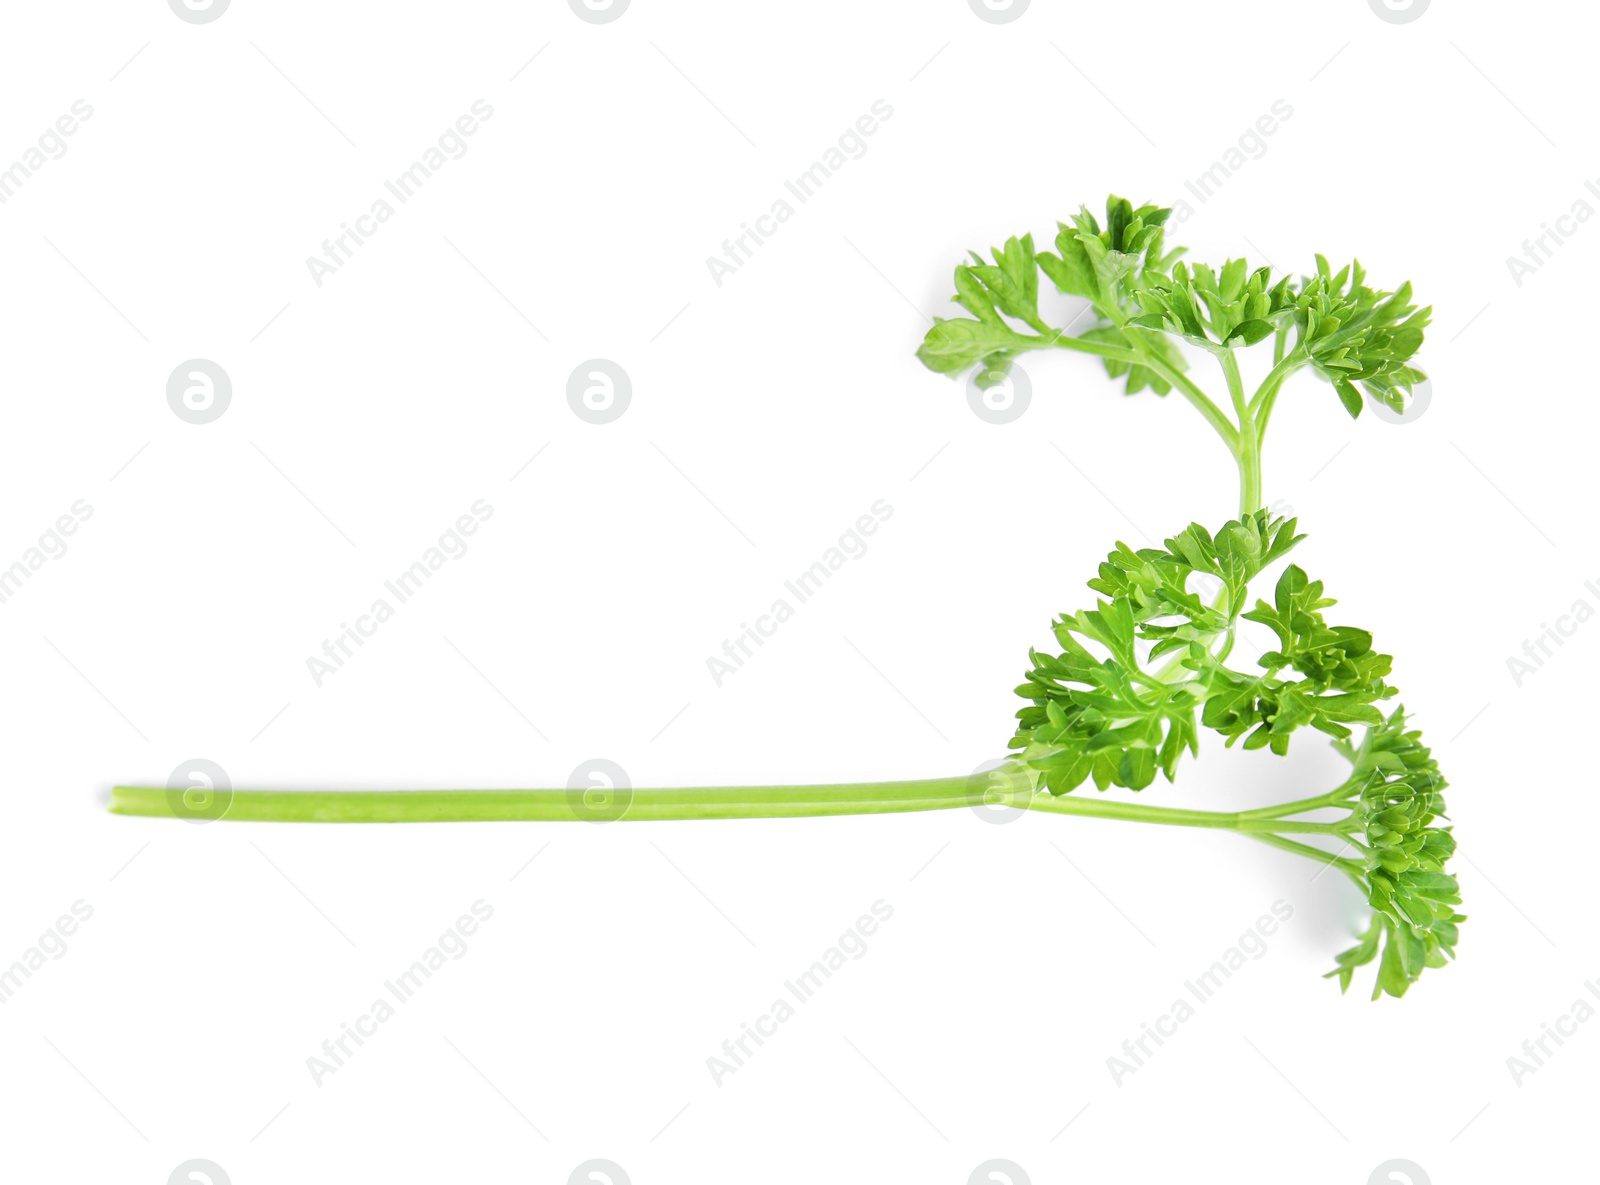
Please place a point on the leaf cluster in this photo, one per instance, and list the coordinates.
(1340, 675)
(1105, 264)
(1216, 311)
(1009, 286)
(1356, 334)
(1350, 334)
(1400, 800)
(1118, 720)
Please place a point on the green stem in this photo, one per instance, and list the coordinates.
(1063, 342)
(439, 806)
(1345, 865)
(1267, 393)
(1230, 371)
(687, 802)
(1132, 812)
(1220, 601)
(1140, 356)
(1248, 450)
(1299, 806)
(1186, 386)
(1338, 827)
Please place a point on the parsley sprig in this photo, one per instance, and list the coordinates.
(1145, 301)
(1136, 678)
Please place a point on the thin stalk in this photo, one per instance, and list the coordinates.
(1230, 371)
(1267, 393)
(1248, 450)
(1219, 601)
(1298, 807)
(1301, 806)
(1139, 356)
(1102, 349)
(1337, 827)
(1350, 867)
(1249, 472)
(683, 802)
(655, 805)
(1202, 402)
(558, 805)
(1068, 804)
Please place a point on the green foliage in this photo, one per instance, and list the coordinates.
(1341, 675)
(1349, 334)
(1139, 376)
(1118, 719)
(1009, 286)
(1106, 265)
(1355, 334)
(1103, 264)
(1399, 798)
(1133, 680)
(1216, 312)
(1101, 709)
(954, 347)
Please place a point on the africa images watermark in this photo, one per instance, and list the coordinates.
(51, 545)
(402, 989)
(851, 145)
(1250, 145)
(1541, 248)
(1542, 646)
(51, 145)
(1203, 987)
(802, 989)
(53, 942)
(1536, 1050)
(851, 545)
(341, 248)
(451, 545)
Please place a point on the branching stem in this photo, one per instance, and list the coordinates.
(704, 802)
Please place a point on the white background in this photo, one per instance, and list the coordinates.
(767, 414)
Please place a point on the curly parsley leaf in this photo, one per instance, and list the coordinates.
(1354, 334)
